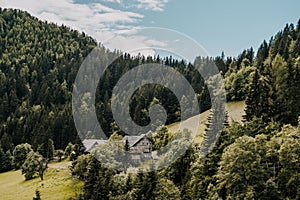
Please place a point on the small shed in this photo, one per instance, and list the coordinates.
(90, 144)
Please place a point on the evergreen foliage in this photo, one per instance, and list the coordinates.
(274, 87)
(5, 161)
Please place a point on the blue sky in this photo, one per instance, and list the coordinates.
(230, 26)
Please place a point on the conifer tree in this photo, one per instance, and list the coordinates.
(5, 161)
(253, 97)
(90, 190)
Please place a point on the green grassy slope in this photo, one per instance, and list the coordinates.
(57, 184)
(235, 113)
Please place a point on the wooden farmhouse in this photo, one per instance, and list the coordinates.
(139, 146)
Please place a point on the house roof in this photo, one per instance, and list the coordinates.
(89, 144)
(133, 140)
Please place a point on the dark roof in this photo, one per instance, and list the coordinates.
(89, 144)
(133, 140)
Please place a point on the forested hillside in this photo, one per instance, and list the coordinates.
(38, 65)
(258, 159)
(39, 62)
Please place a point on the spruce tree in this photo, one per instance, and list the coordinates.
(90, 190)
(253, 97)
(5, 161)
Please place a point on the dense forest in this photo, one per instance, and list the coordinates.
(38, 71)
(258, 159)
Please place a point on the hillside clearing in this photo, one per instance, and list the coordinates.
(57, 184)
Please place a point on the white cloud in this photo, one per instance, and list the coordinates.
(155, 5)
(115, 1)
(3, 3)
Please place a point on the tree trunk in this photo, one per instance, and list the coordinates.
(41, 174)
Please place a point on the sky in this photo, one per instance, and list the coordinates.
(177, 25)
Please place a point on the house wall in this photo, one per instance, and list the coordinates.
(143, 146)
